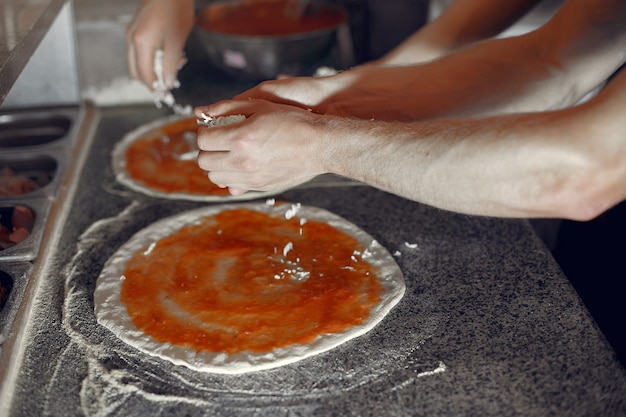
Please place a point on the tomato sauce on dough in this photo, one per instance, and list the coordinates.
(155, 162)
(242, 281)
(267, 18)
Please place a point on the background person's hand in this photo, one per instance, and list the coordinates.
(159, 24)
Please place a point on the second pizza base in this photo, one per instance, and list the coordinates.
(159, 159)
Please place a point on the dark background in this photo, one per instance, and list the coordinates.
(593, 256)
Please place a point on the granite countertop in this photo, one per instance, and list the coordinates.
(489, 326)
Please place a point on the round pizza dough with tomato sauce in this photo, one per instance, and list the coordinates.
(238, 288)
(159, 159)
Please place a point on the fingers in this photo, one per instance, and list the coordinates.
(221, 108)
(141, 47)
(156, 68)
(130, 50)
(217, 158)
(255, 154)
(159, 25)
(213, 161)
(235, 189)
(266, 90)
(153, 60)
(208, 141)
(141, 59)
(214, 179)
(236, 106)
(173, 61)
(132, 61)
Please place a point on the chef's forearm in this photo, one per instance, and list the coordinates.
(565, 164)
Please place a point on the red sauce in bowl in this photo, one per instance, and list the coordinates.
(268, 18)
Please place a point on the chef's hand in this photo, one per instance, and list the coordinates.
(159, 24)
(362, 93)
(304, 92)
(276, 147)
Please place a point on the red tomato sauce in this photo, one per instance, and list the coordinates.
(267, 18)
(223, 285)
(153, 162)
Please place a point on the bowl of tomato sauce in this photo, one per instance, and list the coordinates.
(260, 39)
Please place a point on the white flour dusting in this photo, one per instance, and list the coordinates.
(441, 368)
(119, 91)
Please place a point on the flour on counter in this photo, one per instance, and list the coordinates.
(398, 253)
(441, 368)
(119, 91)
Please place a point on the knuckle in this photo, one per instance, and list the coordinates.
(202, 163)
(246, 164)
(245, 142)
(140, 37)
(201, 138)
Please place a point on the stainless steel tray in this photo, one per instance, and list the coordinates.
(18, 274)
(36, 141)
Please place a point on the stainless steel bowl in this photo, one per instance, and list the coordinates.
(261, 57)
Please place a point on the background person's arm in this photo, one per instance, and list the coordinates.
(549, 68)
(462, 23)
(569, 163)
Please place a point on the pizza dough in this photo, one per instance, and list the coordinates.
(238, 288)
(159, 159)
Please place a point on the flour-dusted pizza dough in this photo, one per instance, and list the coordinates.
(112, 312)
(187, 159)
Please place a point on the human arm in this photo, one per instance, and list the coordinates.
(551, 67)
(462, 23)
(569, 163)
(158, 24)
